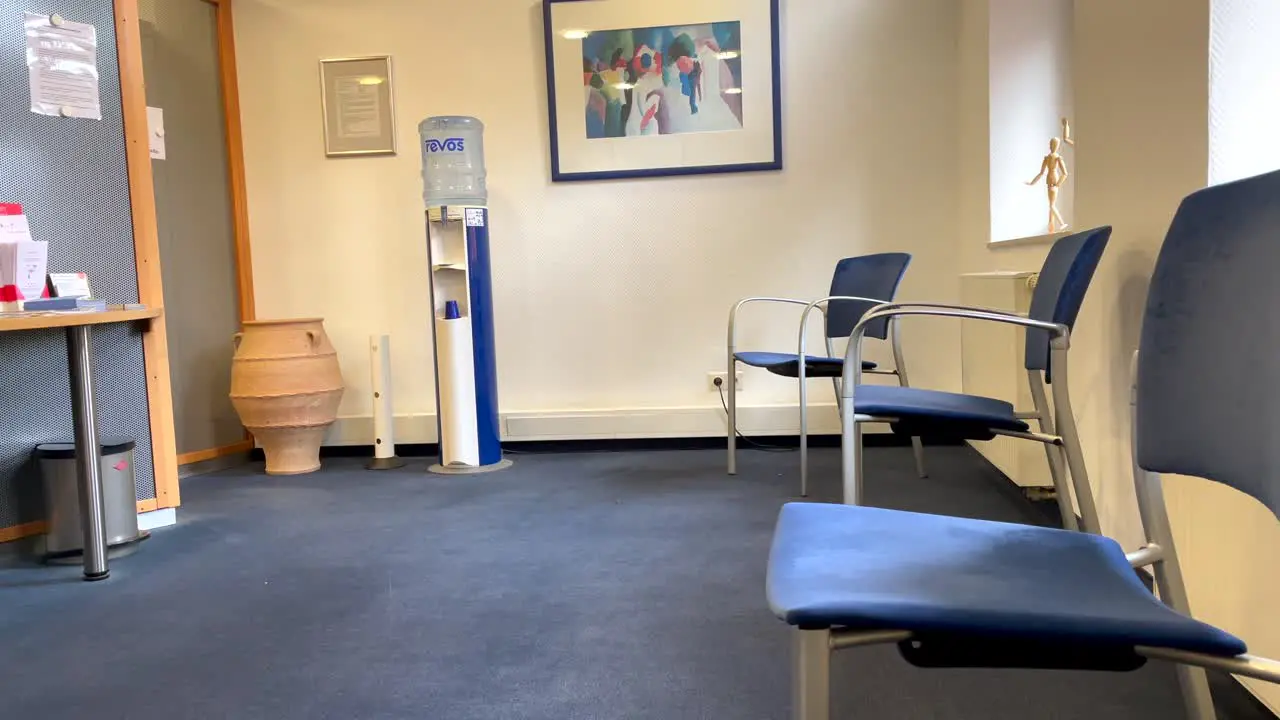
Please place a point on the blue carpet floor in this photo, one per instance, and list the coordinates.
(571, 587)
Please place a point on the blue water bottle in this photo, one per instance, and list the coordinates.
(453, 161)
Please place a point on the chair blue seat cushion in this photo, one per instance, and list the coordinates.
(927, 412)
(788, 365)
(871, 568)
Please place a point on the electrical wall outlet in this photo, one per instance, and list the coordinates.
(723, 377)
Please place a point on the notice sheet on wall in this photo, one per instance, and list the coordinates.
(155, 123)
(359, 111)
(62, 63)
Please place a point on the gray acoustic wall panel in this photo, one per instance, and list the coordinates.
(71, 177)
(194, 213)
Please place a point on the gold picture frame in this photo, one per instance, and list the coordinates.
(357, 99)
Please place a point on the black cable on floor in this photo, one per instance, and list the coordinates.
(744, 438)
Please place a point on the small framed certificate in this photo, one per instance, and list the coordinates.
(359, 107)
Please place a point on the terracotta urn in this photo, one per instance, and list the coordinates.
(286, 386)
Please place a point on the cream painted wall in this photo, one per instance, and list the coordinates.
(602, 304)
(1142, 115)
(1135, 103)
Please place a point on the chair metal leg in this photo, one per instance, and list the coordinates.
(1079, 473)
(811, 675)
(1055, 455)
(855, 497)
(1065, 425)
(917, 448)
(1173, 591)
(732, 380)
(835, 381)
(804, 435)
(900, 367)
(1168, 573)
(1057, 469)
(851, 456)
(1195, 693)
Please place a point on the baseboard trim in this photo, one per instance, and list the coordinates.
(222, 462)
(609, 424)
(38, 527)
(772, 442)
(17, 532)
(191, 458)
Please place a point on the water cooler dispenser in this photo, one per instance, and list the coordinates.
(461, 292)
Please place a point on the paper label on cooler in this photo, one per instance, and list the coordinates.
(475, 217)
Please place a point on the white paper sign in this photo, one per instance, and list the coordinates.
(359, 114)
(475, 217)
(22, 260)
(70, 285)
(22, 267)
(62, 65)
(155, 125)
(13, 224)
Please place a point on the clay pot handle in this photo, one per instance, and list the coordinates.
(235, 340)
(313, 338)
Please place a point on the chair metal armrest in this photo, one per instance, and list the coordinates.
(733, 313)
(1059, 333)
(965, 312)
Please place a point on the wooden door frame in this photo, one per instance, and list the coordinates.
(146, 248)
(235, 154)
(239, 194)
(146, 232)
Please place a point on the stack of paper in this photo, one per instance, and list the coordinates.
(23, 261)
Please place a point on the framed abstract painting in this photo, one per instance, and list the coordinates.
(647, 88)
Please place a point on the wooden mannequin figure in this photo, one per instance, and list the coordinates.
(1054, 170)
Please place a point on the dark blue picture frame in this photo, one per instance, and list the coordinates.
(559, 176)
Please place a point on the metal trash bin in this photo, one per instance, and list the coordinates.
(65, 535)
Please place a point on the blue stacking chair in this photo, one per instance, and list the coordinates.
(1064, 281)
(858, 284)
(955, 592)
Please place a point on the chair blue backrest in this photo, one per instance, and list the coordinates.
(870, 276)
(1209, 359)
(1064, 281)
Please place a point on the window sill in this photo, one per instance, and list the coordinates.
(1028, 241)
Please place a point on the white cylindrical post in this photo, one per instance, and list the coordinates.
(384, 441)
